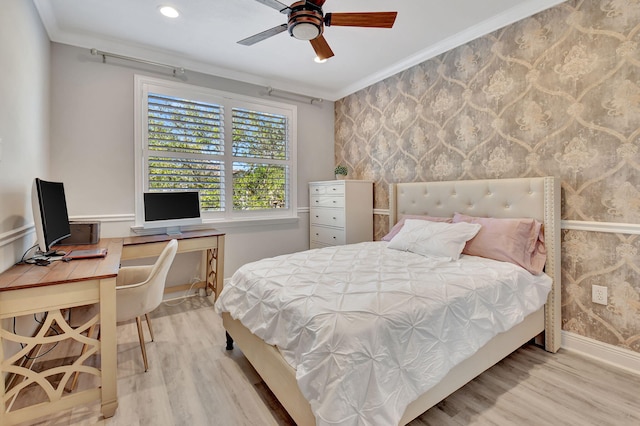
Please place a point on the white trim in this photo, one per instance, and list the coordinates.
(250, 222)
(144, 85)
(124, 217)
(221, 225)
(15, 234)
(607, 227)
(23, 231)
(603, 352)
(517, 13)
(578, 225)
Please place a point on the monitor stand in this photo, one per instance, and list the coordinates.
(173, 231)
(51, 253)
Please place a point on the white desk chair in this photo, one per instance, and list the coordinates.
(139, 290)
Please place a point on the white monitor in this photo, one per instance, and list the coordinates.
(171, 210)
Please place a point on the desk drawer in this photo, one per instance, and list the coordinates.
(328, 236)
(329, 217)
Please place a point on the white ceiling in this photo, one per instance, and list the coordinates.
(204, 38)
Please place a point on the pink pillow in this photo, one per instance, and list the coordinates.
(519, 241)
(398, 226)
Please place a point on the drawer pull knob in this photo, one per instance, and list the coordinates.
(334, 238)
(317, 216)
(334, 201)
(317, 233)
(334, 218)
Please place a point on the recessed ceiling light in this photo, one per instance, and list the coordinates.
(320, 61)
(169, 12)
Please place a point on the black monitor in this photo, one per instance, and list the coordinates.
(49, 214)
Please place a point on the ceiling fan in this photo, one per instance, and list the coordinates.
(306, 21)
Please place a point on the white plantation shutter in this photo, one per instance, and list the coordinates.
(260, 156)
(181, 135)
(189, 174)
(184, 126)
(259, 135)
(238, 153)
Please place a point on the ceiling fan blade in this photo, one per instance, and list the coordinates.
(362, 19)
(317, 2)
(320, 45)
(275, 4)
(263, 35)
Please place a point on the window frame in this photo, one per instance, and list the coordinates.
(144, 85)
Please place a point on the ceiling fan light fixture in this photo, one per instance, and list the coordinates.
(169, 12)
(319, 61)
(304, 30)
(306, 21)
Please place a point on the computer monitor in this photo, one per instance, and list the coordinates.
(49, 214)
(171, 210)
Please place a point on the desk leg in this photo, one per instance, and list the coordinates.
(108, 346)
(210, 270)
(215, 267)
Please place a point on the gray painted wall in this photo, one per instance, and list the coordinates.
(24, 130)
(24, 122)
(92, 151)
(64, 115)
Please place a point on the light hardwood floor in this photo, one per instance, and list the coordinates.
(193, 380)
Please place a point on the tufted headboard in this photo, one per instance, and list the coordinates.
(537, 197)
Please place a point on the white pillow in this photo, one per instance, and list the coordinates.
(434, 238)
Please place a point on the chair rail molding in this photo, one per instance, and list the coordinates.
(577, 225)
(23, 231)
(16, 234)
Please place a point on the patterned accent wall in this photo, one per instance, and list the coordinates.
(555, 94)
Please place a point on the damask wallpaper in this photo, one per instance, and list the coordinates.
(555, 94)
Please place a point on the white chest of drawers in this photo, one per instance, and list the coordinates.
(341, 212)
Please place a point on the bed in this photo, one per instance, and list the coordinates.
(537, 198)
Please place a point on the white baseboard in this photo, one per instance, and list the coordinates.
(603, 352)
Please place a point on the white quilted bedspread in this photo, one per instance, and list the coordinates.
(368, 329)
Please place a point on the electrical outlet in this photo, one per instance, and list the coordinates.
(599, 294)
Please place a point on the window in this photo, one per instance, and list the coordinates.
(238, 152)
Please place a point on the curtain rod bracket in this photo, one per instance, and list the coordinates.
(176, 70)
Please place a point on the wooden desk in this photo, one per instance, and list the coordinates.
(31, 289)
(210, 242)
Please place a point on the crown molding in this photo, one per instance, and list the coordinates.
(508, 17)
(147, 53)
